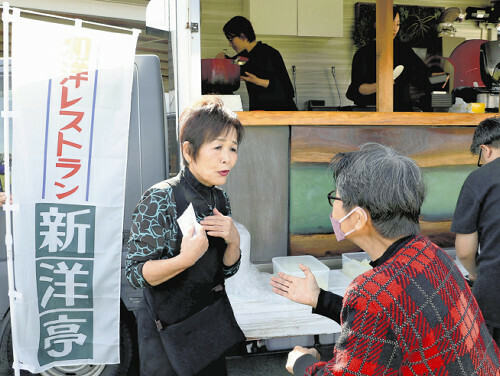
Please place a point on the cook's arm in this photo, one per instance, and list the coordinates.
(466, 246)
(360, 85)
(464, 225)
(255, 80)
(367, 89)
(276, 73)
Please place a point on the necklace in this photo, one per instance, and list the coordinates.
(210, 206)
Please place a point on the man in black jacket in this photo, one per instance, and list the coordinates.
(476, 223)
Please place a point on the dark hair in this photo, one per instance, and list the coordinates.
(239, 25)
(387, 184)
(204, 121)
(486, 133)
(395, 10)
(372, 31)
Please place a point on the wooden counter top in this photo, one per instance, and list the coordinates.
(274, 118)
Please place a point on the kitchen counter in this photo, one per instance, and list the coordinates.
(286, 118)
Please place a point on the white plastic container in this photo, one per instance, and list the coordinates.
(286, 343)
(290, 265)
(355, 263)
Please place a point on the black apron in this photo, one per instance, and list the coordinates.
(181, 296)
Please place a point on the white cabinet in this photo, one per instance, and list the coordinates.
(309, 18)
(272, 17)
(320, 18)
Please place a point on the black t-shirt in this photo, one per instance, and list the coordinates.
(266, 62)
(478, 209)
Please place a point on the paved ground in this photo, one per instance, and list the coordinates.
(260, 364)
(265, 364)
(268, 363)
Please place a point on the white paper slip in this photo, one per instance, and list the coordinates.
(187, 220)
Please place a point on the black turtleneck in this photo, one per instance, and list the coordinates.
(330, 304)
(391, 251)
(203, 198)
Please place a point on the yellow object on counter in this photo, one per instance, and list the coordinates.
(476, 108)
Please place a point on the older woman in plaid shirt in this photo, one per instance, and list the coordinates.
(413, 313)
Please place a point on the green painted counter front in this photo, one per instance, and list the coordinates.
(442, 153)
(278, 187)
(309, 184)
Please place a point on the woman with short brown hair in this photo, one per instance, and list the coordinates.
(183, 274)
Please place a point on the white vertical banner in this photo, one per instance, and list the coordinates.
(71, 90)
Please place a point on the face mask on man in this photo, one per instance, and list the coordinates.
(339, 234)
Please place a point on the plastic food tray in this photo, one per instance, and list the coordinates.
(355, 263)
(290, 265)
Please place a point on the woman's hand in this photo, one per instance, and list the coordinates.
(223, 227)
(255, 80)
(300, 290)
(193, 247)
(221, 55)
(3, 198)
(296, 353)
(156, 272)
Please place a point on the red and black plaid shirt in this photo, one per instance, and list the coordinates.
(412, 315)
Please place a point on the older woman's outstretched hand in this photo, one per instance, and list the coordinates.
(300, 290)
(223, 227)
(194, 246)
(296, 353)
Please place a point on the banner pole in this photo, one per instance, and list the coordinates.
(7, 114)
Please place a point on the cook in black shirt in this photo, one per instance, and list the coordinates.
(362, 90)
(268, 84)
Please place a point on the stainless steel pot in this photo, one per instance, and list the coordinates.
(489, 99)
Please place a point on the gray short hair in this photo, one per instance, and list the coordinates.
(387, 184)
